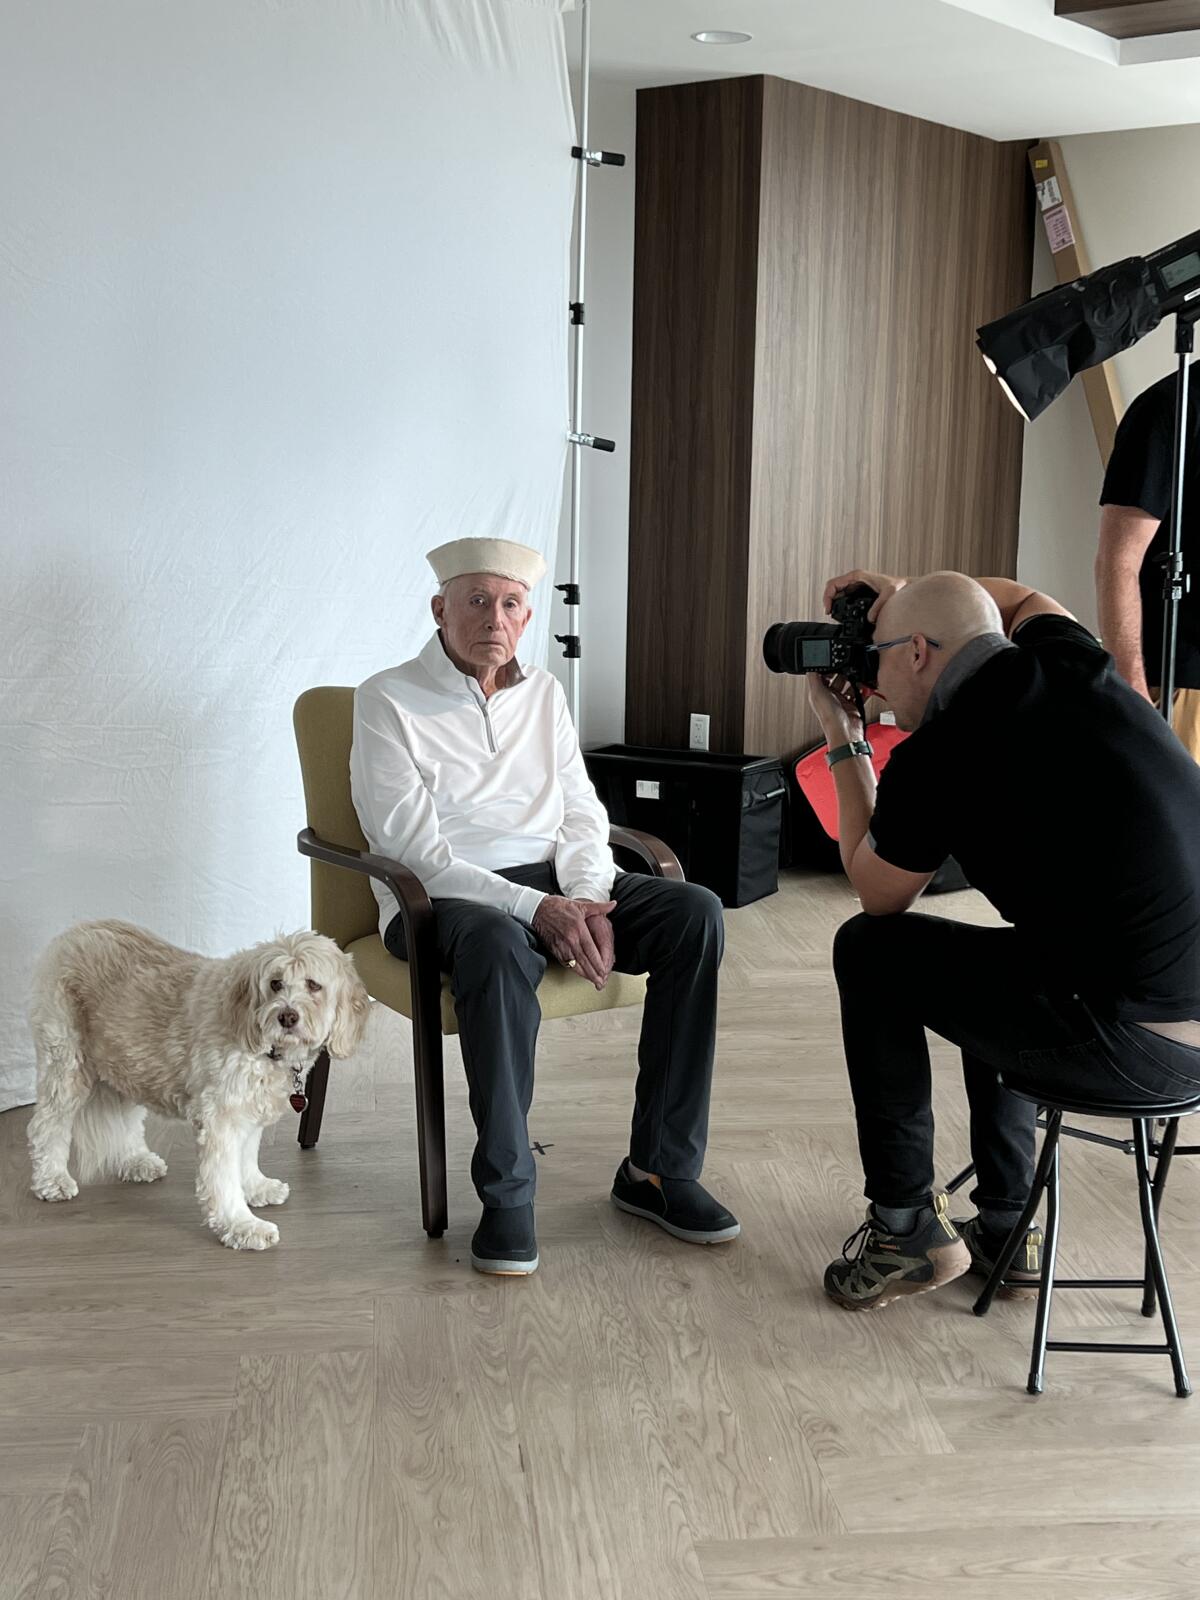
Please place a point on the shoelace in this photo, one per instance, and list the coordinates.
(860, 1234)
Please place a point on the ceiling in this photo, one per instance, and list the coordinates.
(1009, 69)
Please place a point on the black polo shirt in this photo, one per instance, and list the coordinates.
(1071, 805)
(1139, 474)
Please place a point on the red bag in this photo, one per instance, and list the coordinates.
(814, 777)
(815, 782)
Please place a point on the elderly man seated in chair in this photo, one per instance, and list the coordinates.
(466, 768)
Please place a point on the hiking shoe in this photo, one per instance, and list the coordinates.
(505, 1243)
(888, 1265)
(680, 1205)
(1024, 1275)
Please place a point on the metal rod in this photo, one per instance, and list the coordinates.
(965, 1176)
(1097, 1283)
(1120, 1349)
(1163, 1152)
(1173, 561)
(1016, 1236)
(1041, 1326)
(1126, 1145)
(1183, 1387)
(578, 326)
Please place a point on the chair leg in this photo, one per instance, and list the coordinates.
(310, 1117)
(1162, 1166)
(1041, 1330)
(1183, 1387)
(965, 1176)
(431, 1123)
(1013, 1243)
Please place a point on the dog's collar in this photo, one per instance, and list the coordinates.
(273, 1053)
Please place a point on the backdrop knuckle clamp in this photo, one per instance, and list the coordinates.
(593, 441)
(597, 158)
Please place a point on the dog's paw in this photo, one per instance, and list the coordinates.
(250, 1235)
(145, 1168)
(61, 1187)
(267, 1192)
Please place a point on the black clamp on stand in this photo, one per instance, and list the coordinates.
(597, 158)
(569, 641)
(593, 441)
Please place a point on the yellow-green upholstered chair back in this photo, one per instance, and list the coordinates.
(343, 906)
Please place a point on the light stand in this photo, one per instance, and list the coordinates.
(1175, 580)
(1036, 350)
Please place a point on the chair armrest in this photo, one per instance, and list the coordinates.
(416, 909)
(659, 857)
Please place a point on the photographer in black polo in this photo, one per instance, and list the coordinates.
(1070, 805)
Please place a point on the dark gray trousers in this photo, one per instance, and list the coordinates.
(672, 931)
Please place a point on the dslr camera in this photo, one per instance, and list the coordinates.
(841, 648)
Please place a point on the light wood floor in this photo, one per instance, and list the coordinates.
(357, 1414)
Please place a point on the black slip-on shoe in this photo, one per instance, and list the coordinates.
(505, 1243)
(680, 1205)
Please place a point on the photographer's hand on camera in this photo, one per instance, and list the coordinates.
(571, 930)
(884, 586)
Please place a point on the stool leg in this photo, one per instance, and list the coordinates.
(1162, 1166)
(1153, 1248)
(965, 1176)
(1041, 1327)
(1013, 1243)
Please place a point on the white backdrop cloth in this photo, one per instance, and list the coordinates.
(283, 291)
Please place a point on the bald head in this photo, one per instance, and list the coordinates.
(935, 617)
(946, 606)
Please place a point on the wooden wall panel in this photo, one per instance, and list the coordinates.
(807, 395)
(695, 287)
(880, 439)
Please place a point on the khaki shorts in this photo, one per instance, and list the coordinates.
(1185, 718)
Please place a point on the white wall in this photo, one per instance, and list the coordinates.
(1133, 191)
(607, 368)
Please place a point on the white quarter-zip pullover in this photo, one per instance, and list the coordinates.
(455, 786)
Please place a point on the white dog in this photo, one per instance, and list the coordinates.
(123, 1021)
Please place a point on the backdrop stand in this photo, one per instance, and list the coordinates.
(579, 440)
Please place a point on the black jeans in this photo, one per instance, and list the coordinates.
(899, 975)
(674, 931)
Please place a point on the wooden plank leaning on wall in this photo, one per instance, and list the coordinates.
(1056, 203)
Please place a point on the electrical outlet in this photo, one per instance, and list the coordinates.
(697, 731)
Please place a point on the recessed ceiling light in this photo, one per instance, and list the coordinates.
(719, 37)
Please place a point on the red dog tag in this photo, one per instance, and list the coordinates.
(298, 1102)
